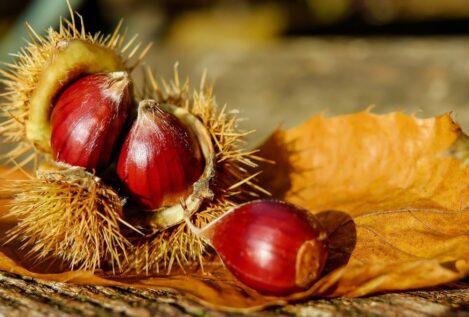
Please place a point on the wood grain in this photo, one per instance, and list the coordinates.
(21, 296)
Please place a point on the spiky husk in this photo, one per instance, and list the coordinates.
(21, 77)
(234, 181)
(68, 214)
(160, 252)
(76, 218)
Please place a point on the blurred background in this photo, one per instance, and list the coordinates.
(280, 62)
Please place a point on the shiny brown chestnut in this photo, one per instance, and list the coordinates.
(271, 246)
(167, 157)
(87, 119)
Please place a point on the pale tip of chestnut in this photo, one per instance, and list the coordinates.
(116, 88)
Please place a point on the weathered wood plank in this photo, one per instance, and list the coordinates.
(22, 296)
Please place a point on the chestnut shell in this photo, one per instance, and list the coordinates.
(274, 247)
(88, 118)
(160, 159)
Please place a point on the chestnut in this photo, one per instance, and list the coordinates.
(167, 157)
(160, 159)
(271, 246)
(87, 119)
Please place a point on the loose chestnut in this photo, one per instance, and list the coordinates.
(161, 158)
(271, 246)
(88, 118)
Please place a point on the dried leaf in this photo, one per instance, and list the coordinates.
(391, 190)
(364, 162)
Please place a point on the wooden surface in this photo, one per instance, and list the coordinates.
(284, 83)
(20, 296)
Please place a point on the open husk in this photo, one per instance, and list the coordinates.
(42, 69)
(234, 173)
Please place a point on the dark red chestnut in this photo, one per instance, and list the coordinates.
(87, 119)
(271, 246)
(160, 160)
